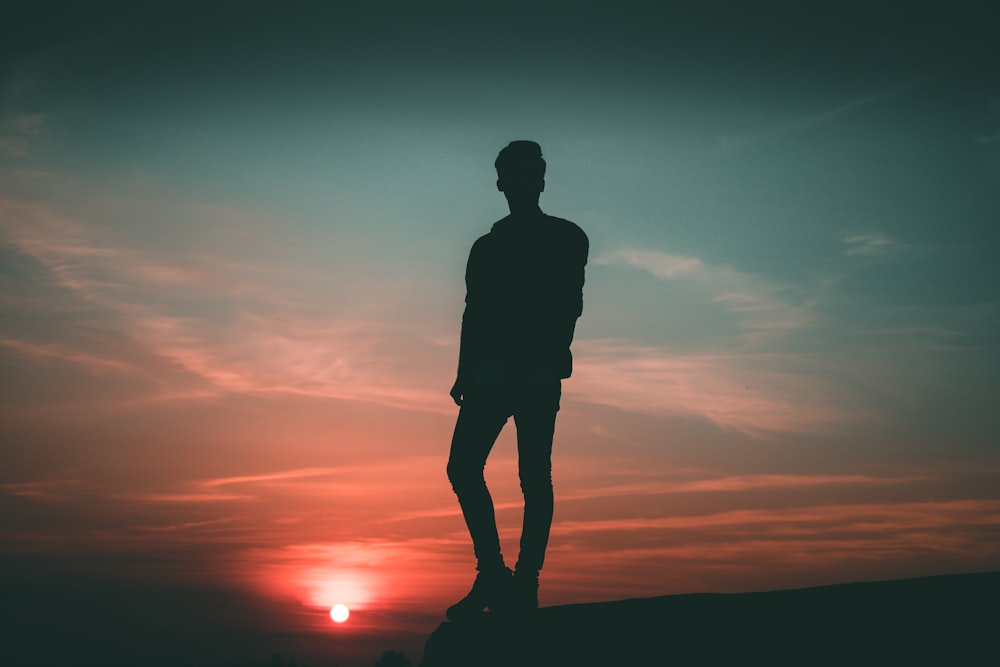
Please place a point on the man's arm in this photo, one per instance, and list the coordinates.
(571, 306)
(582, 251)
(567, 302)
(557, 303)
(467, 351)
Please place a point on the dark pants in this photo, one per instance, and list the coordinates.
(485, 410)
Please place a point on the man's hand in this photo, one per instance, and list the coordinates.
(456, 392)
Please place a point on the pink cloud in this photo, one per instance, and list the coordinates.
(862, 518)
(267, 340)
(273, 476)
(751, 393)
(184, 497)
(641, 485)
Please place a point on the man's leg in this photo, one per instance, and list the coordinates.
(478, 426)
(535, 418)
(479, 423)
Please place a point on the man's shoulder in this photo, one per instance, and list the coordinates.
(569, 229)
(562, 222)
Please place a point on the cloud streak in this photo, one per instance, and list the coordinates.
(269, 338)
(868, 244)
(753, 394)
(733, 143)
(752, 384)
(744, 483)
(283, 475)
(762, 307)
(56, 352)
(808, 521)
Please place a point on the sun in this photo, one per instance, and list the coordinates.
(339, 613)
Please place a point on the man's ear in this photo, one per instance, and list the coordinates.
(499, 185)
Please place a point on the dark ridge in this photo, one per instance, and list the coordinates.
(942, 620)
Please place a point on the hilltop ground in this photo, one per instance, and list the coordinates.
(944, 620)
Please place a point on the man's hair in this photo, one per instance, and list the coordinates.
(520, 160)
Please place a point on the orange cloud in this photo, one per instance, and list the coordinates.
(273, 476)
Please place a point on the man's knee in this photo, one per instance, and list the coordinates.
(536, 480)
(463, 475)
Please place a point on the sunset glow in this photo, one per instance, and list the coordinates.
(232, 257)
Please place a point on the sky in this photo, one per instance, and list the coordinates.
(232, 246)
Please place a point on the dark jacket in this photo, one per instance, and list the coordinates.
(524, 292)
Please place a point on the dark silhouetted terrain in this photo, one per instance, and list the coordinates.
(943, 620)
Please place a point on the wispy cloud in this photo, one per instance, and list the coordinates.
(56, 352)
(754, 394)
(198, 497)
(228, 325)
(774, 547)
(282, 475)
(868, 244)
(752, 385)
(807, 521)
(731, 143)
(46, 489)
(742, 483)
(301, 494)
(762, 306)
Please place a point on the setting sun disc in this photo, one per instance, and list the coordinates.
(339, 613)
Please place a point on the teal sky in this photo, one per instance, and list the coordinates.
(232, 244)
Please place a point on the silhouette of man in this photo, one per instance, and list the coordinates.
(524, 293)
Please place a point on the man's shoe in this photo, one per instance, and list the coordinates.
(490, 590)
(523, 595)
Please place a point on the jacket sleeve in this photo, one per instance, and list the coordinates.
(572, 278)
(556, 315)
(577, 272)
(470, 339)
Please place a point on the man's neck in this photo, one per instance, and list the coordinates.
(525, 210)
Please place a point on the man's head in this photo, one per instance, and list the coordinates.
(521, 172)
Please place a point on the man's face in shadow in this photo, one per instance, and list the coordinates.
(522, 188)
